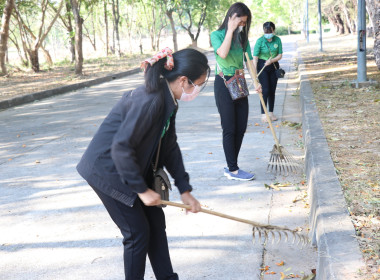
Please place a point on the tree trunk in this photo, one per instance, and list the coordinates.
(33, 56)
(347, 18)
(23, 39)
(174, 32)
(116, 16)
(70, 30)
(374, 8)
(78, 38)
(340, 24)
(106, 23)
(5, 34)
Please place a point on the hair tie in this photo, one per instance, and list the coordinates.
(166, 52)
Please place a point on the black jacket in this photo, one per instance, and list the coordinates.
(118, 159)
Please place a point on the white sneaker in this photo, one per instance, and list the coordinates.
(272, 117)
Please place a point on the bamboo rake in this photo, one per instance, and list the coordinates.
(280, 161)
(260, 229)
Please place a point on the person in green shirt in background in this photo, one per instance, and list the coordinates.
(229, 43)
(266, 53)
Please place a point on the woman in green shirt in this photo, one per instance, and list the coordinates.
(229, 42)
(266, 53)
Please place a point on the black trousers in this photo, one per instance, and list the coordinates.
(268, 81)
(143, 229)
(234, 119)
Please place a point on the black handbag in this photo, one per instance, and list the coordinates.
(161, 182)
(280, 73)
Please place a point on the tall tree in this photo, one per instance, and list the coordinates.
(116, 19)
(5, 34)
(78, 37)
(33, 42)
(170, 6)
(193, 12)
(153, 22)
(106, 27)
(66, 20)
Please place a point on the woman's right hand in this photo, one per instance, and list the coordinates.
(233, 22)
(150, 197)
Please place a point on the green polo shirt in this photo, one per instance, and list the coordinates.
(261, 50)
(234, 59)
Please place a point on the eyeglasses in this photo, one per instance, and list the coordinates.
(201, 86)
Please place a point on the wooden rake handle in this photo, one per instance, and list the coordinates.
(180, 205)
(256, 83)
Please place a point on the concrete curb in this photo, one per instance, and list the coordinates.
(60, 90)
(28, 98)
(332, 231)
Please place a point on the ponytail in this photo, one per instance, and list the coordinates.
(153, 75)
(187, 62)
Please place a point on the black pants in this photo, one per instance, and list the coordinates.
(143, 229)
(268, 81)
(234, 119)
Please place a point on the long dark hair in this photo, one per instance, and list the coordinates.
(241, 10)
(187, 62)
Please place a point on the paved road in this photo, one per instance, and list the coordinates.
(53, 226)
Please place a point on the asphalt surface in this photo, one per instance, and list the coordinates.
(53, 226)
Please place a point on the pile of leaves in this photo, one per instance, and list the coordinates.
(351, 122)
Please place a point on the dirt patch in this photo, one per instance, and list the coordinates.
(351, 122)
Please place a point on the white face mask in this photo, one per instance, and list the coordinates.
(190, 96)
(240, 28)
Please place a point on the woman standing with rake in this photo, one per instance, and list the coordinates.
(267, 53)
(230, 42)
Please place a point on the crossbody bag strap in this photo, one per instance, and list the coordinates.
(157, 156)
(221, 71)
(271, 56)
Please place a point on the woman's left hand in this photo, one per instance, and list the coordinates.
(189, 199)
(268, 62)
(258, 88)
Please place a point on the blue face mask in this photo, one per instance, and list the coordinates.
(268, 36)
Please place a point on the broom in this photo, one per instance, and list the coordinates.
(281, 161)
(262, 230)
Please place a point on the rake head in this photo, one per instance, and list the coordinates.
(281, 162)
(264, 233)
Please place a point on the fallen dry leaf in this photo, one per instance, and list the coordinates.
(272, 186)
(282, 276)
(280, 263)
(266, 268)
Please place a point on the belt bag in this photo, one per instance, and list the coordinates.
(161, 182)
(236, 85)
